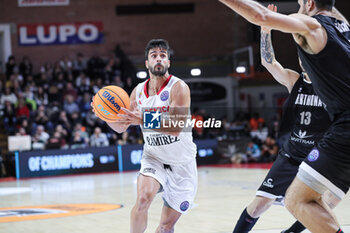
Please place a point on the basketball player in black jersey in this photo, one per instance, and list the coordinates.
(323, 44)
(304, 121)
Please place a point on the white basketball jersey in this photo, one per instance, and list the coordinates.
(167, 149)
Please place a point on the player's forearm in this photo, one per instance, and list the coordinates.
(119, 128)
(266, 49)
(252, 11)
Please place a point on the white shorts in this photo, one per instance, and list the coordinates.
(179, 182)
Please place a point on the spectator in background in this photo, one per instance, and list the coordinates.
(129, 86)
(255, 121)
(28, 93)
(112, 68)
(79, 79)
(98, 85)
(29, 81)
(10, 65)
(83, 85)
(117, 80)
(56, 142)
(54, 94)
(22, 109)
(79, 64)
(95, 67)
(63, 120)
(78, 141)
(40, 138)
(75, 118)
(60, 82)
(253, 152)
(56, 70)
(17, 76)
(9, 116)
(70, 106)
(26, 125)
(269, 151)
(26, 67)
(91, 120)
(198, 131)
(82, 132)
(70, 90)
(43, 82)
(21, 132)
(41, 117)
(8, 96)
(66, 64)
(125, 139)
(41, 97)
(63, 132)
(84, 104)
(47, 69)
(98, 138)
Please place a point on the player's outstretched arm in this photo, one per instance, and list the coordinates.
(257, 14)
(284, 76)
(336, 14)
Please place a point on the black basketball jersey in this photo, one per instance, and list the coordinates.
(304, 118)
(329, 70)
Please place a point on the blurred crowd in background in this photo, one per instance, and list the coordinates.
(53, 107)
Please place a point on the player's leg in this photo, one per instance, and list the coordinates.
(307, 205)
(271, 190)
(327, 167)
(147, 188)
(330, 199)
(251, 214)
(168, 219)
(179, 193)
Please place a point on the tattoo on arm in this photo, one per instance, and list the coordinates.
(266, 48)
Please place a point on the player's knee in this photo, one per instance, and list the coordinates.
(144, 200)
(291, 201)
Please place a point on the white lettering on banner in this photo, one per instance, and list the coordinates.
(136, 156)
(61, 162)
(84, 36)
(50, 38)
(65, 32)
(34, 164)
(23, 36)
(56, 33)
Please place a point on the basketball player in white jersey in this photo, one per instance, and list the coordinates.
(168, 163)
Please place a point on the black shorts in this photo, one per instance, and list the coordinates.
(280, 176)
(329, 162)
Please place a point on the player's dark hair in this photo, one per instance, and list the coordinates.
(157, 43)
(324, 4)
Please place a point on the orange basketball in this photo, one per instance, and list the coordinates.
(108, 102)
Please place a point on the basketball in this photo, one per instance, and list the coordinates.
(108, 102)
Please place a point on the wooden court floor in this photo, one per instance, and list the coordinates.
(222, 195)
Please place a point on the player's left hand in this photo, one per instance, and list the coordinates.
(133, 117)
(273, 8)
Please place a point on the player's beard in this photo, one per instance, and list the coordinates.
(159, 70)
